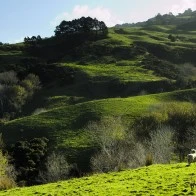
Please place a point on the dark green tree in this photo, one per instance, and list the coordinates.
(28, 157)
(84, 26)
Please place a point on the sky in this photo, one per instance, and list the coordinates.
(21, 18)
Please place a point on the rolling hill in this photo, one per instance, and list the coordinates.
(126, 74)
(65, 125)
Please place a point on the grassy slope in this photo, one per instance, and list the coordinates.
(128, 71)
(65, 124)
(170, 180)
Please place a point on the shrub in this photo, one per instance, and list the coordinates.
(8, 78)
(181, 118)
(14, 93)
(56, 168)
(7, 172)
(117, 147)
(6, 183)
(160, 145)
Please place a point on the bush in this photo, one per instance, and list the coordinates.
(7, 172)
(8, 78)
(15, 93)
(6, 183)
(160, 145)
(181, 118)
(117, 147)
(56, 168)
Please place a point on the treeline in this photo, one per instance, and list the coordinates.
(166, 19)
(68, 36)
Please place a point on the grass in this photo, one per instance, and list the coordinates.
(131, 71)
(170, 180)
(156, 34)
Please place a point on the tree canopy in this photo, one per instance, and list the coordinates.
(83, 25)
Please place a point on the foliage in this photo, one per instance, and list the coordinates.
(15, 93)
(161, 145)
(120, 149)
(172, 38)
(8, 78)
(28, 157)
(32, 40)
(180, 118)
(166, 19)
(115, 151)
(56, 169)
(126, 62)
(7, 172)
(86, 26)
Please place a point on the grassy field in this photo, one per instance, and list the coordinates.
(155, 180)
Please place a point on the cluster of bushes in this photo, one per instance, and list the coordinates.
(32, 162)
(14, 93)
(119, 148)
(166, 134)
(180, 118)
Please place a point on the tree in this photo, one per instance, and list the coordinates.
(56, 168)
(32, 40)
(14, 93)
(160, 145)
(28, 157)
(83, 26)
(117, 146)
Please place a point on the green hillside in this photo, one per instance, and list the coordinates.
(64, 125)
(61, 83)
(172, 179)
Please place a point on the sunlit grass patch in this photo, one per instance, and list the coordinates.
(131, 71)
(171, 179)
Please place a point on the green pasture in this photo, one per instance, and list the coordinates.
(154, 180)
(122, 70)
